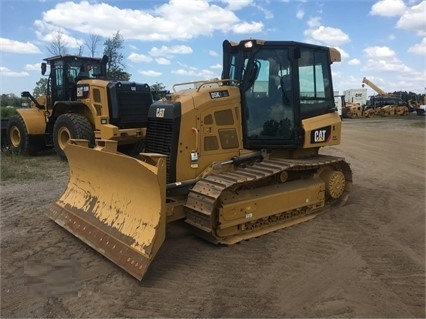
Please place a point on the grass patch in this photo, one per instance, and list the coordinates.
(22, 168)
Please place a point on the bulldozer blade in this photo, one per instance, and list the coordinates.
(115, 204)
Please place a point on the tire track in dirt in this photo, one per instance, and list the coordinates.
(376, 235)
(365, 259)
(241, 275)
(27, 235)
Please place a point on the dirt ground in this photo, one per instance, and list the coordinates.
(365, 259)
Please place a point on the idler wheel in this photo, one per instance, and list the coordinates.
(335, 183)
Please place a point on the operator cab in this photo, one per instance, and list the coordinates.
(281, 84)
(66, 71)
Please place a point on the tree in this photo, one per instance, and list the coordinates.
(41, 88)
(92, 44)
(115, 66)
(11, 100)
(80, 50)
(158, 91)
(59, 45)
(157, 87)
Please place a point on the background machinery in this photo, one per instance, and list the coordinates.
(418, 107)
(384, 104)
(374, 87)
(80, 103)
(234, 158)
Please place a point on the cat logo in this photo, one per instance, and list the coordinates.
(160, 112)
(321, 135)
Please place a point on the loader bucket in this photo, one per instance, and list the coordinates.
(114, 203)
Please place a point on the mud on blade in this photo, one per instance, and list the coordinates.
(115, 204)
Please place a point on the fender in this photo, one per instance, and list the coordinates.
(34, 120)
(62, 107)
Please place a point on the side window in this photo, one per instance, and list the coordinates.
(58, 90)
(314, 82)
(59, 76)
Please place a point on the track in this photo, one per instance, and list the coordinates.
(214, 191)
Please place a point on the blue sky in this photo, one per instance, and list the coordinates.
(181, 40)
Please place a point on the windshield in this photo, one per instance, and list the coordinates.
(84, 69)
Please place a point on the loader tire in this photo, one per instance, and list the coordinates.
(71, 126)
(19, 139)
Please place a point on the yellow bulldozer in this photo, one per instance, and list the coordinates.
(234, 158)
(81, 104)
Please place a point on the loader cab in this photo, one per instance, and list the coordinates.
(281, 84)
(66, 71)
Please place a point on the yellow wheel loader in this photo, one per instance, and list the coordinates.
(81, 104)
(234, 158)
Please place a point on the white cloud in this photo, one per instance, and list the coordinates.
(383, 59)
(166, 51)
(33, 67)
(150, 73)
(136, 57)
(237, 5)
(174, 20)
(12, 46)
(354, 62)
(381, 65)
(388, 8)
(162, 61)
(213, 53)
(379, 52)
(327, 35)
(324, 35)
(414, 19)
(216, 67)
(268, 14)
(49, 33)
(160, 55)
(9, 73)
(300, 14)
(419, 48)
(193, 72)
(314, 22)
(246, 27)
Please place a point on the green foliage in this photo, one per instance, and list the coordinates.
(7, 112)
(158, 91)
(158, 87)
(115, 66)
(40, 88)
(11, 100)
(405, 96)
